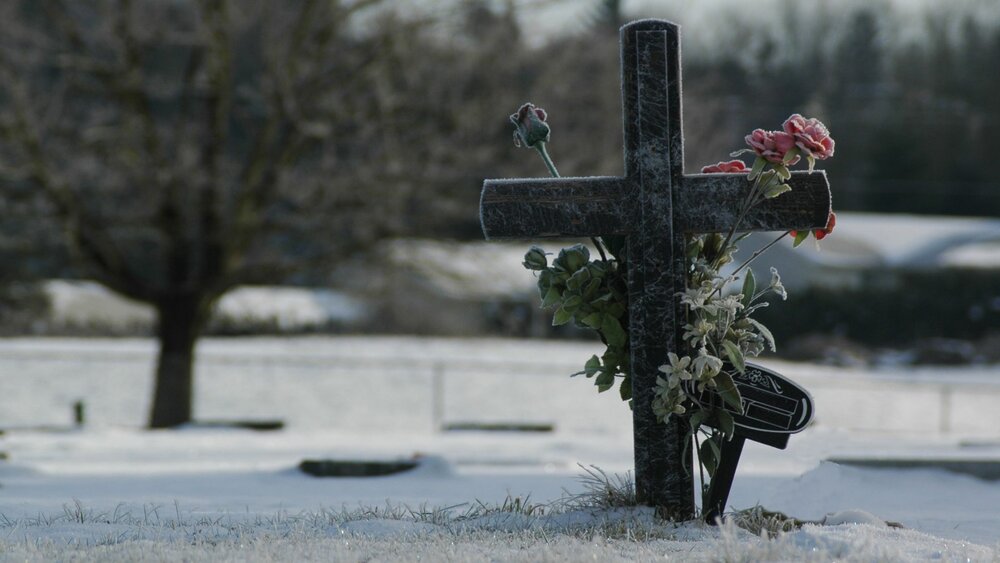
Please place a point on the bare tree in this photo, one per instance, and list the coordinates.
(189, 147)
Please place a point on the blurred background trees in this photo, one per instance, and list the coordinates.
(186, 148)
(176, 150)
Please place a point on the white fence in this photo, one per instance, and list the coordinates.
(350, 383)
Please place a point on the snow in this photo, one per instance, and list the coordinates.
(973, 255)
(289, 307)
(76, 303)
(467, 270)
(112, 491)
(83, 303)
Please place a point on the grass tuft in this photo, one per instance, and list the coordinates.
(765, 523)
(602, 492)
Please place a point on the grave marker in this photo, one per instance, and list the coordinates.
(773, 409)
(654, 205)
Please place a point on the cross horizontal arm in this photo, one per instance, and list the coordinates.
(554, 207)
(710, 203)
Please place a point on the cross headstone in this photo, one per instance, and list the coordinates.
(655, 204)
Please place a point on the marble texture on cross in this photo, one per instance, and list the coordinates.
(655, 204)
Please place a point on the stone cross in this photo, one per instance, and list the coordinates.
(655, 204)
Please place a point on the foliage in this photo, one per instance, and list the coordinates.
(592, 294)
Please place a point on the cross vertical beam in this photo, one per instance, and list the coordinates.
(654, 166)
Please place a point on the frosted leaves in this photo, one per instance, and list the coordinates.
(721, 331)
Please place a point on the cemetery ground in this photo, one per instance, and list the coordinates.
(112, 491)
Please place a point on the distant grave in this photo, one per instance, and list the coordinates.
(255, 425)
(355, 468)
(985, 469)
(654, 205)
(498, 427)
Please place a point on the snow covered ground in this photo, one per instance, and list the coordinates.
(111, 491)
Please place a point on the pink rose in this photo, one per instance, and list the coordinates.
(772, 145)
(729, 167)
(811, 136)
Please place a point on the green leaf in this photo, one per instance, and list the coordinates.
(782, 171)
(592, 366)
(576, 281)
(616, 310)
(694, 247)
(735, 355)
(726, 423)
(572, 303)
(728, 391)
(763, 331)
(545, 279)
(697, 419)
(591, 290)
(593, 320)
(551, 298)
(790, 155)
(758, 167)
(612, 331)
(799, 237)
(709, 455)
(774, 190)
(605, 298)
(625, 388)
(561, 317)
(812, 162)
(612, 356)
(605, 380)
(749, 287)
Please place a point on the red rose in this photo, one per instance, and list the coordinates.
(729, 167)
(830, 224)
(811, 136)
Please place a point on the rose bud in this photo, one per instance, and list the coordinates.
(530, 127)
(535, 259)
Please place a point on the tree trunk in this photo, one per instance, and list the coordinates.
(179, 323)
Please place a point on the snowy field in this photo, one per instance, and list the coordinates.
(111, 491)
